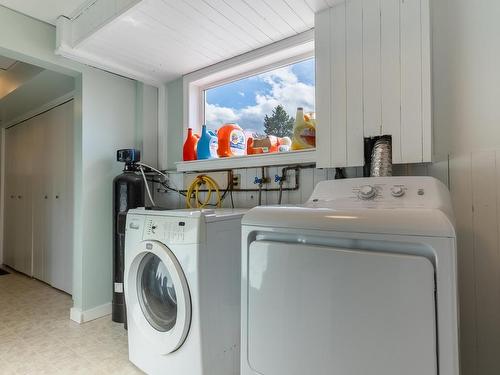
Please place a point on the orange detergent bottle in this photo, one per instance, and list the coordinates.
(189, 149)
(232, 141)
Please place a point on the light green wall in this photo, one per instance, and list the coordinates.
(175, 122)
(105, 120)
(109, 112)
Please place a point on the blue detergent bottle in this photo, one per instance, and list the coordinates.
(207, 145)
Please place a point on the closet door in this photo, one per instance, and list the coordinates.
(10, 197)
(23, 212)
(41, 195)
(61, 255)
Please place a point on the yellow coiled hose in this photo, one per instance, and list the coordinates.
(194, 187)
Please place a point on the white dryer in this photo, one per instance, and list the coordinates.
(182, 291)
(360, 280)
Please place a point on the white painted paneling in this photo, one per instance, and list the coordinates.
(261, 36)
(322, 35)
(376, 80)
(159, 40)
(354, 71)
(391, 74)
(411, 82)
(487, 259)
(299, 21)
(338, 139)
(426, 81)
(371, 68)
(461, 193)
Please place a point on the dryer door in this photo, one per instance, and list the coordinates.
(159, 297)
(324, 310)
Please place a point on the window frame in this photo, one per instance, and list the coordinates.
(276, 55)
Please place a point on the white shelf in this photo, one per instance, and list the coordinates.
(249, 161)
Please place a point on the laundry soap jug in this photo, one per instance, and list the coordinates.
(304, 131)
(207, 145)
(232, 141)
(189, 149)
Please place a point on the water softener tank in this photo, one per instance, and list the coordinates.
(128, 193)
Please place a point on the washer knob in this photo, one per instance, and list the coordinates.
(397, 191)
(367, 192)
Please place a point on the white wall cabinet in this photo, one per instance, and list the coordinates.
(373, 77)
(38, 212)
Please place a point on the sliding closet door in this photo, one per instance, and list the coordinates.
(38, 197)
(22, 214)
(41, 196)
(18, 198)
(61, 255)
(10, 198)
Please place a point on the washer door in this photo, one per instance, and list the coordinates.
(159, 298)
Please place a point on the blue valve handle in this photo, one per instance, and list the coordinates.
(258, 180)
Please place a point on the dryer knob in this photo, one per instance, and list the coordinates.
(367, 192)
(397, 191)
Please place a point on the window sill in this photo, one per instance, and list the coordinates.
(249, 161)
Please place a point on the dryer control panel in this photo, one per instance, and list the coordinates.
(381, 192)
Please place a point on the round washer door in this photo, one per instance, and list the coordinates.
(159, 297)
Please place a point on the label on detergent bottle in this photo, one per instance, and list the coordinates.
(237, 142)
(213, 145)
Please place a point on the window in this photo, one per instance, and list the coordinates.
(260, 91)
(265, 103)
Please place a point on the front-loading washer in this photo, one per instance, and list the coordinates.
(362, 279)
(181, 284)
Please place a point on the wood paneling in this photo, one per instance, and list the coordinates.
(162, 39)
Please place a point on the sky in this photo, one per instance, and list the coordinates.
(248, 100)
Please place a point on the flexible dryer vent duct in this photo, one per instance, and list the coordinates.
(381, 163)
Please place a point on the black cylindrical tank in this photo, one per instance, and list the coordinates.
(128, 193)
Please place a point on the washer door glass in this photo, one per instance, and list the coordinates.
(156, 293)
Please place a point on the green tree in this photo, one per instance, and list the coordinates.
(279, 123)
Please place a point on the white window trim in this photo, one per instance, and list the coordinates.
(273, 56)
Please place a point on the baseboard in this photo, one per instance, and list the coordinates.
(79, 316)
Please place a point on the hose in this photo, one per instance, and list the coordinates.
(147, 186)
(194, 188)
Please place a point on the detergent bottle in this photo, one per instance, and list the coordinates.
(189, 149)
(232, 141)
(304, 131)
(207, 145)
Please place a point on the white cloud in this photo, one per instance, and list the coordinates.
(285, 90)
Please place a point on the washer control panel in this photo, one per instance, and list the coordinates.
(170, 229)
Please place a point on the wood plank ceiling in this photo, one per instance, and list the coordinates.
(167, 38)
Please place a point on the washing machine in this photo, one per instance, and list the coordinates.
(182, 290)
(362, 279)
